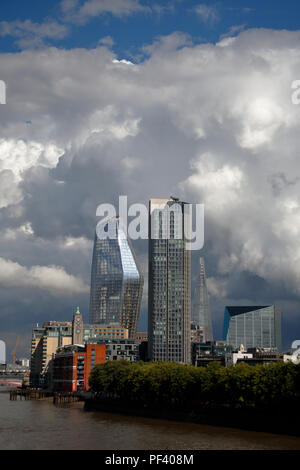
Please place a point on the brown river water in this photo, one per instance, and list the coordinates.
(41, 425)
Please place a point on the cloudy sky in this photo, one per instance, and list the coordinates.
(148, 99)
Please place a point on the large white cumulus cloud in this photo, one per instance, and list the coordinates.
(52, 278)
(214, 123)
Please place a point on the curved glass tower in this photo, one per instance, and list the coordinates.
(201, 310)
(116, 280)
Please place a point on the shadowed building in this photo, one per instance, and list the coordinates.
(201, 316)
(116, 280)
(253, 327)
(169, 315)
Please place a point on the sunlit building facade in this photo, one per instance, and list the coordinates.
(116, 280)
(44, 344)
(169, 314)
(106, 331)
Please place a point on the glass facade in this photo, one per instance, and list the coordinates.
(201, 316)
(169, 313)
(253, 327)
(116, 280)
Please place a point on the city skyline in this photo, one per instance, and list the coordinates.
(199, 314)
(187, 98)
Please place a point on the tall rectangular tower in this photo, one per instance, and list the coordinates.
(169, 306)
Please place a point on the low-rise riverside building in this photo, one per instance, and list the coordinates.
(117, 349)
(44, 344)
(254, 356)
(72, 366)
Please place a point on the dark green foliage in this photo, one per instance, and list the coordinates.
(183, 387)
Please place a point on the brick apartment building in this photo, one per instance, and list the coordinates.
(73, 364)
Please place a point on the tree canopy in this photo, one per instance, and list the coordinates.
(179, 386)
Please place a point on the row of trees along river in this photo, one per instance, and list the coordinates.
(261, 397)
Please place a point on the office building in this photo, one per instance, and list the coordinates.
(116, 280)
(169, 309)
(117, 349)
(201, 315)
(253, 327)
(44, 344)
(104, 332)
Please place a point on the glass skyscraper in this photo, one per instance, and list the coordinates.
(116, 280)
(253, 327)
(201, 316)
(169, 314)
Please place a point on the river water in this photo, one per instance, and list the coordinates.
(41, 425)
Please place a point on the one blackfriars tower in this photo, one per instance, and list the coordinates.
(116, 280)
(169, 315)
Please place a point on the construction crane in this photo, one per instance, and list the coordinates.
(15, 349)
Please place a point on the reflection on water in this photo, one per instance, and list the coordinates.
(41, 425)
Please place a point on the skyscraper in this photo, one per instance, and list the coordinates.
(116, 280)
(201, 316)
(253, 327)
(169, 314)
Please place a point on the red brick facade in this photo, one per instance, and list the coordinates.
(71, 369)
